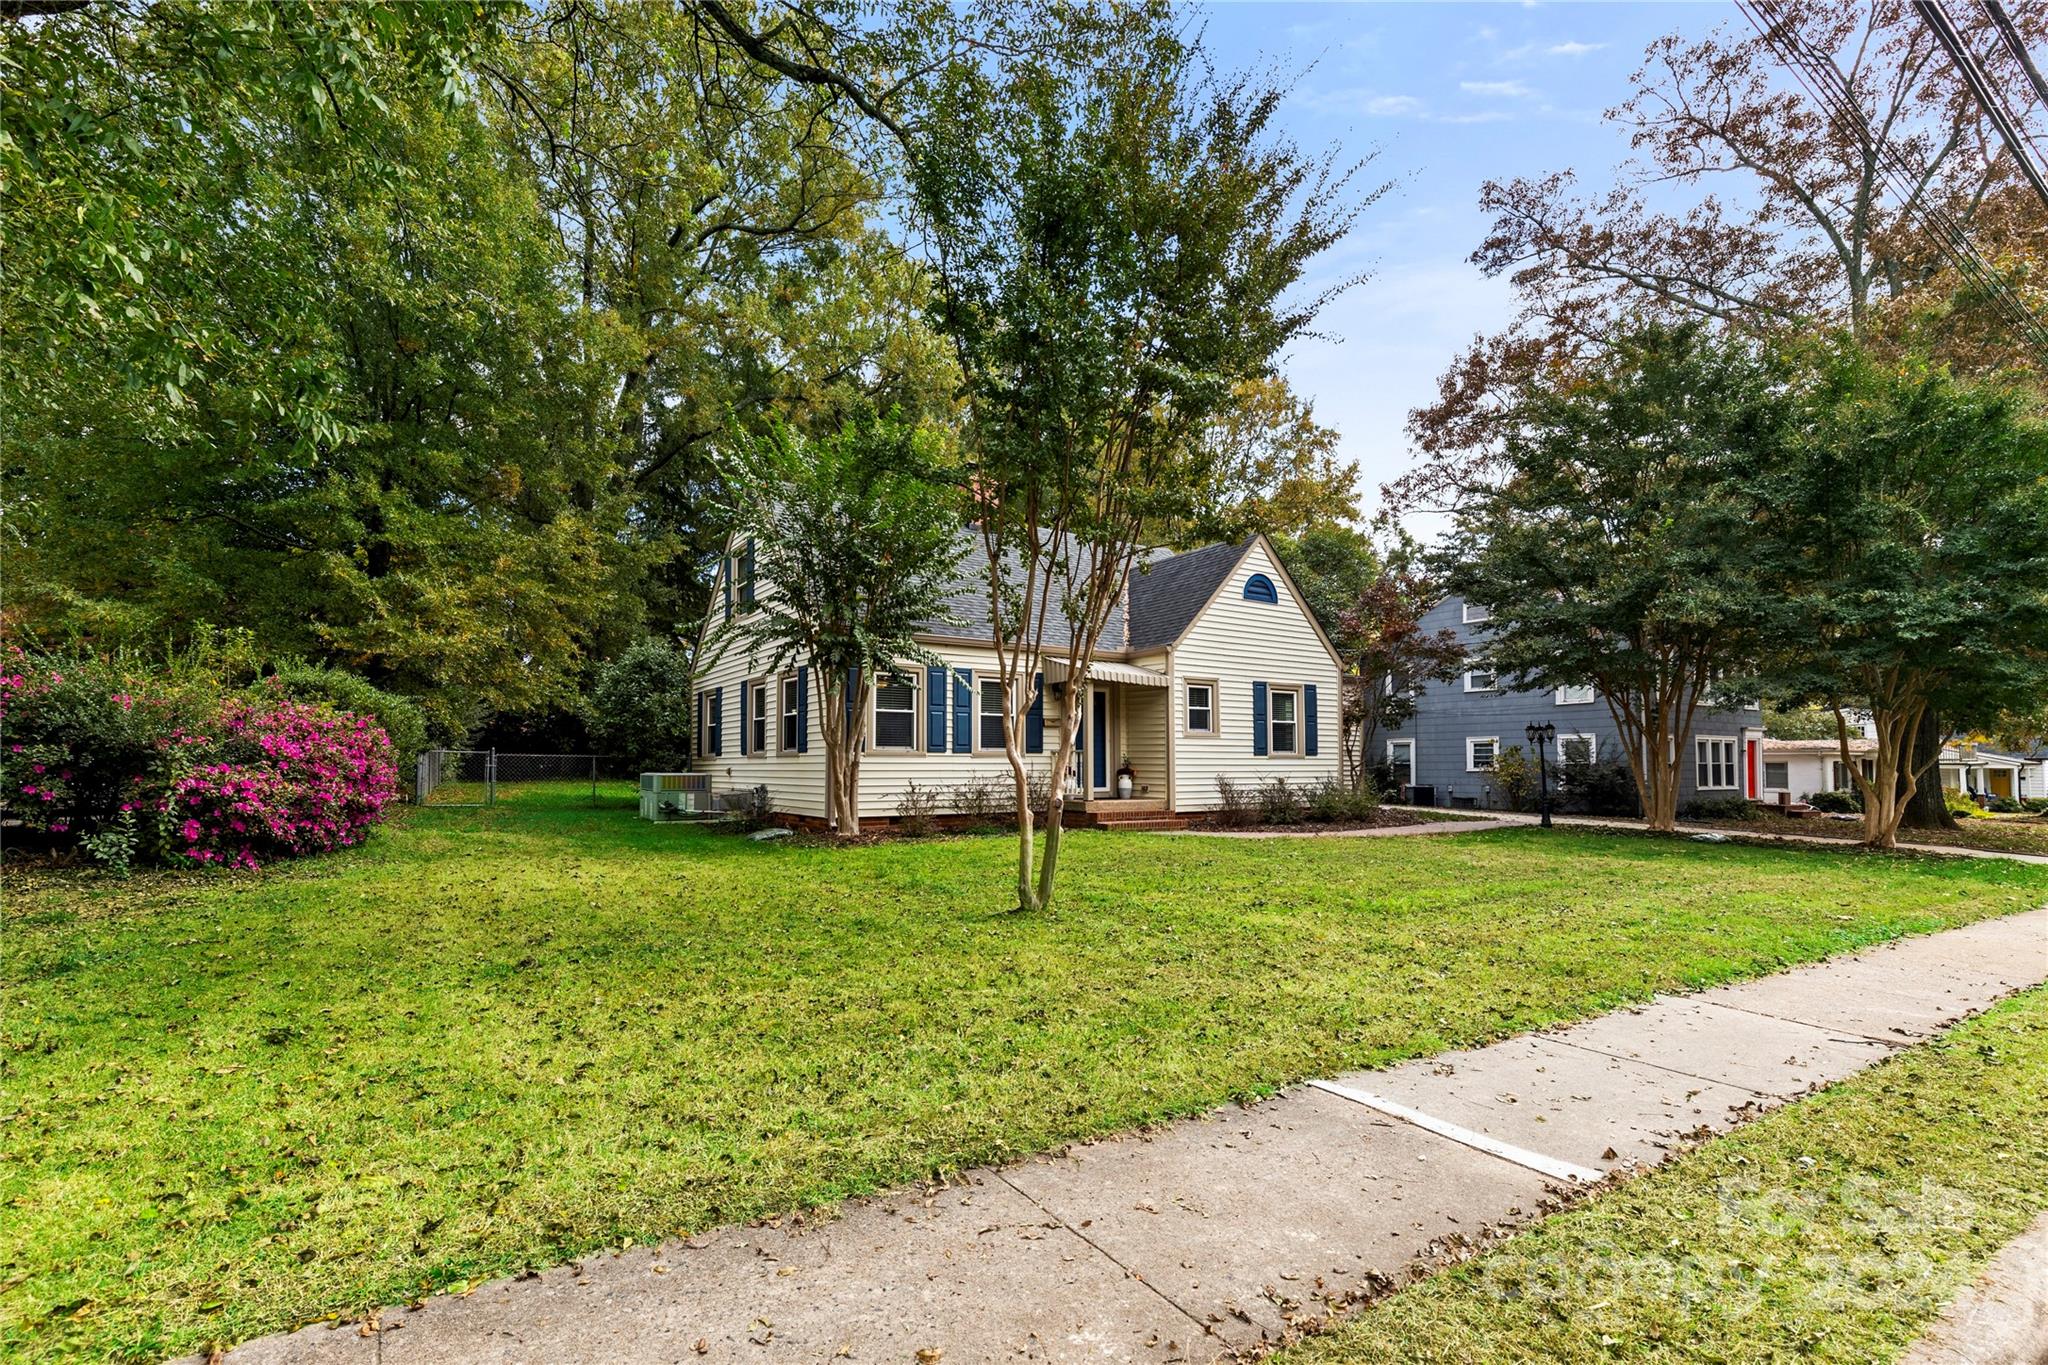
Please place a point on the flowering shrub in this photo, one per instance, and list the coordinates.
(288, 779)
(127, 766)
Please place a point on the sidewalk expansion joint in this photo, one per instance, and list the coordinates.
(1104, 1253)
(1521, 1156)
(1849, 1035)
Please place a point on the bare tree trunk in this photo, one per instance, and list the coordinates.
(1928, 806)
(1891, 783)
(1056, 803)
(842, 751)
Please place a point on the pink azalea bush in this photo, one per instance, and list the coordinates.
(286, 779)
(130, 766)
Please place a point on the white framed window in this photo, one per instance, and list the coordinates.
(895, 723)
(990, 717)
(1201, 699)
(1579, 748)
(1401, 758)
(789, 716)
(1575, 696)
(1471, 615)
(757, 717)
(1482, 678)
(1284, 722)
(1715, 765)
(1480, 751)
(1777, 775)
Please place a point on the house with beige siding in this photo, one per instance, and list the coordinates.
(1210, 666)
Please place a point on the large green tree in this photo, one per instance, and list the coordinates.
(1614, 542)
(1915, 514)
(1117, 241)
(402, 336)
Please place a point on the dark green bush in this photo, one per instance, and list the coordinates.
(1837, 803)
(639, 706)
(1603, 787)
(1721, 808)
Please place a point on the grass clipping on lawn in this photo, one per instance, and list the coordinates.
(499, 1039)
(1835, 1229)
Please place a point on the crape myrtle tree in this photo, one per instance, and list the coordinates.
(1918, 506)
(1116, 238)
(1614, 542)
(853, 539)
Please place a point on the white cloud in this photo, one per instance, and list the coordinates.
(1514, 89)
(1479, 116)
(1362, 100)
(1573, 49)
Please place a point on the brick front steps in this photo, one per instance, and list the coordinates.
(1139, 812)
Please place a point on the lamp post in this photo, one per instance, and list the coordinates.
(1540, 737)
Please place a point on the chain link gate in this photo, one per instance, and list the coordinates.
(453, 777)
(482, 777)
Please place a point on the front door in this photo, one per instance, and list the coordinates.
(1999, 781)
(1098, 739)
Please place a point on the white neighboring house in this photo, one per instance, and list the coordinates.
(1210, 666)
(1797, 768)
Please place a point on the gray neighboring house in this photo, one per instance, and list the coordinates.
(1448, 746)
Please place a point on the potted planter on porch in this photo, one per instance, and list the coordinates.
(1126, 779)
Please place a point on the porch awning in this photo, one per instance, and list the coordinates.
(1102, 671)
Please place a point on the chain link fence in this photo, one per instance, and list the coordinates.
(484, 777)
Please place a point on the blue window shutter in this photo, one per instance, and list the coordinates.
(935, 710)
(803, 709)
(852, 699)
(1034, 719)
(1258, 718)
(727, 576)
(744, 689)
(1308, 705)
(963, 711)
(747, 575)
(718, 720)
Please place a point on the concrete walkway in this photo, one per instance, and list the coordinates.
(1228, 1231)
(2002, 1319)
(1513, 820)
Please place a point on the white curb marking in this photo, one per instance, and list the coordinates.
(1521, 1156)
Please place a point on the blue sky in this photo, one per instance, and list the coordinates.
(1453, 94)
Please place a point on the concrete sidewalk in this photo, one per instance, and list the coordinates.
(1227, 1231)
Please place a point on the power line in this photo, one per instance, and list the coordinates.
(1817, 72)
(1988, 98)
(2011, 34)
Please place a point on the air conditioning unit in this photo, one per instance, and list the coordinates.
(674, 796)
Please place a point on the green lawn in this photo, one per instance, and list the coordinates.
(1835, 1229)
(500, 1038)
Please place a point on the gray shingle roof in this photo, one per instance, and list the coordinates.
(1166, 592)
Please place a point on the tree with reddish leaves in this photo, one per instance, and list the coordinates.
(1387, 656)
(1796, 225)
